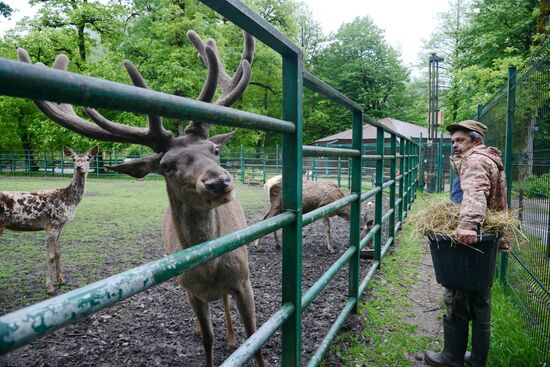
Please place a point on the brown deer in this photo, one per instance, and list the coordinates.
(47, 210)
(202, 204)
(315, 194)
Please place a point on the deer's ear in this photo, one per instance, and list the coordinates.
(370, 224)
(68, 151)
(140, 167)
(93, 151)
(221, 139)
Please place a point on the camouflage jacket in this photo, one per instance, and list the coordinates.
(483, 182)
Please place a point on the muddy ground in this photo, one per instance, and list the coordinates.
(156, 326)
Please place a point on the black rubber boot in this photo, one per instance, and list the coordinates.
(468, 358)
(455, 335)
(481, 341)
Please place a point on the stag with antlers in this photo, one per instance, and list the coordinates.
(202, 204)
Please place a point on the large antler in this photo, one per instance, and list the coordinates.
(232, 87)
(156, 136)
(64, 115)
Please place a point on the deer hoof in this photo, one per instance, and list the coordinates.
(49, 289)
(60, 280)
(197, 330)
(231, 341)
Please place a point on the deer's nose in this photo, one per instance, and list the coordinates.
(217, 185)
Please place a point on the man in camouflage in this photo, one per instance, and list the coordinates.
(480, 185)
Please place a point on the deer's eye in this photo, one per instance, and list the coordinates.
(167, 167)
(217, 150)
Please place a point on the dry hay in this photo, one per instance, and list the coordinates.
(441, 216)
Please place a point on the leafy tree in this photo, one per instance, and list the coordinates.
(359, 63)
(5, 10)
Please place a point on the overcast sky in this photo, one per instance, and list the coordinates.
(405, 22)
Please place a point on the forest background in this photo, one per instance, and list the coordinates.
(479, 40)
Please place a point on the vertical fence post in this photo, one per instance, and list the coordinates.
(277, 159)
(44, 163)
(242, 164)
(116, 161)
(421, 163)
(355, 220)
(339, 172)
(379, 195)
(417, 168)
(292, 201)
(349, 173)
(408, 175)
(96, 160)
(508, 155)
(479, 111)
(393, 166)
(440, 164)
(264, 167)
(402, 174)
(62, 163)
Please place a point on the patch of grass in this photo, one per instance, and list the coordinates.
(511, 342)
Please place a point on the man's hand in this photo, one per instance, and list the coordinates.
(466, 236)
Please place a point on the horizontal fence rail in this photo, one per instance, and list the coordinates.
(394, 170)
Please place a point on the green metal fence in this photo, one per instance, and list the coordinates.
(249, 165)
(518, 118)
(29, 81)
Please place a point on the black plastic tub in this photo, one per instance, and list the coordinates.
(458, 266)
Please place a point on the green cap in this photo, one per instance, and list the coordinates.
(471, 125)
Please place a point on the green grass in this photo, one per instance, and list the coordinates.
(389, 338)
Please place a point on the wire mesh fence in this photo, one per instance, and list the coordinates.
(521, 113)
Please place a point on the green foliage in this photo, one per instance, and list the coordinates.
(359, 63)
(535, 186)
(5, 10)
(479, 40)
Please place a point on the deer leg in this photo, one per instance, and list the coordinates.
(57, 255)
(230, 333)
(247, 310)
(268, 215)
(277, 244)
(202, 311)
(50, 245)
(326, 222)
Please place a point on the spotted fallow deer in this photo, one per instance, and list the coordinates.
(202, 204)
(315, 194)
(47, 210)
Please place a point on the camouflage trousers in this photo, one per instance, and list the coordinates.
(465, 306)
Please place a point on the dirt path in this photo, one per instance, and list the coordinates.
(426, 295)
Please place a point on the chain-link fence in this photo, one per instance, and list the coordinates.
(518, 118)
